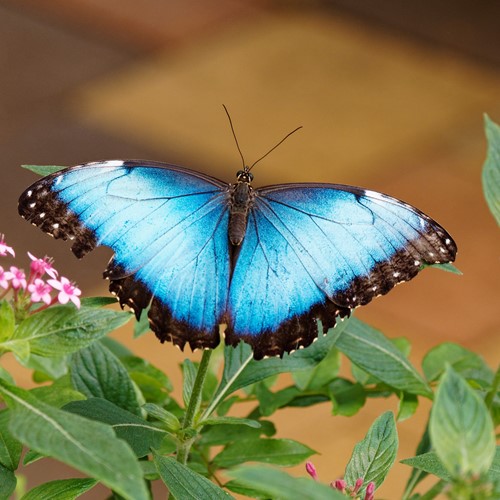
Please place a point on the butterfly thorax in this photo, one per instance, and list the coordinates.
(240, 203)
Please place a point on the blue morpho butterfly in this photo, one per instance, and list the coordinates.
(267, 262)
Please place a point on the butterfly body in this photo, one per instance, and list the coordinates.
(241, 202)
(269, 263)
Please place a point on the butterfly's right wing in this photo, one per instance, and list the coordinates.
(167, 227)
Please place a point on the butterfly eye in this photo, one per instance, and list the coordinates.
(244, 176)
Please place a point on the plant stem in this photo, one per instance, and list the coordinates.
(194, 403)
(223, 391)
(494, 389)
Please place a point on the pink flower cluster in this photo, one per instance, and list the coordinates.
(33, 285)
(341, 485)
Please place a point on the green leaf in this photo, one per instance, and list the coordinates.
(50, 368)
(97, 372)
(460, 427)
(229, 433)
(371, 351)
(140, 434)
(6, 376)
(66, 489)
(286, 452)
(430, 463)
(321, 374)
(57, 394)
(20, 348)
(494, 470)
(168, 418)
(65, 329)
(408, 404)
(269, 401)
(347, 398)
(141, 326)
(417, 475)
(232, 421)
(373, 456)
(154, 385)
(7, 321)
(98, 301)
(117, 348)
(264, 482)
(183, 483)
(10, 447)
(189, 371)
(255, 371)
(469, 364)
(32, 456)
(43, 170)
(491, 168)
(89, 446)
(7, 482)
(449, 268)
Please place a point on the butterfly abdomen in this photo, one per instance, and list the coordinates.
(240, 204)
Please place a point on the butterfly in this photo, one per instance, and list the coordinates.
(276, 265)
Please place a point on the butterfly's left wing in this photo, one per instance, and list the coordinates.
(167, 226)
(315, 251)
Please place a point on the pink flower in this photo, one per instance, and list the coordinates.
(311, 470)
(357, 486)
(17, 278)
(67, 291)
(339, 484)
(4, 249)
(4, 282)
(41, 266)
(370, 491)
(40, 291)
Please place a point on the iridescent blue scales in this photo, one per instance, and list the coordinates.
(269, 263)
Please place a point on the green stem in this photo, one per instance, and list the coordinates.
(222, 393)
(411, 484)
(494, 389)
(194, 403)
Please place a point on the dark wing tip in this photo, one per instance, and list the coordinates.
(41, 206)
(296, 333)
(133, 293)
(435, 246)
(167, 328)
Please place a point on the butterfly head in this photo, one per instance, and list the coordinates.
(244, 175)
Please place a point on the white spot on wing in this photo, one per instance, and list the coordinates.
(417, 262)
(32, 205)
(42, 215)
(113, 163)
(58, 180)
(29, 193)
(55, 225)
(374, 194)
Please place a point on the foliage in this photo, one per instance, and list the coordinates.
(112, 416)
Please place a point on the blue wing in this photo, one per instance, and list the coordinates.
(167, 227)
(315, 251)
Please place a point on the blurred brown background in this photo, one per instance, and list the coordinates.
(390, 94)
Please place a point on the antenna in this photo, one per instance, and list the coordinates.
(247, 169)
(274, 147)
(234, 135)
